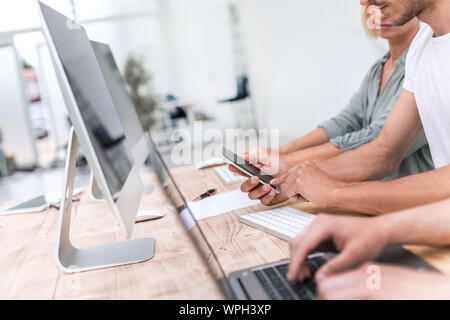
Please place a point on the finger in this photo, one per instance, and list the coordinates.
(304, 273)
(260, 192)
(293, 169)
(250, 184)
(268, 199)
(313, 236)
(280, 180)
(343, 261)
(270, 165)
(252, 157)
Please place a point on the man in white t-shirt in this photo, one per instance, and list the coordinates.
(423, 105)
(424, 102)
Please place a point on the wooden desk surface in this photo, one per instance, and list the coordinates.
(27, 256)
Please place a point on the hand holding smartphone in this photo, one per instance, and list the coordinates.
(247, 168)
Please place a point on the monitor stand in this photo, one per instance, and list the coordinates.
(71, 259)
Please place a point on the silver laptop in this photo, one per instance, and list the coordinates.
(266, 282)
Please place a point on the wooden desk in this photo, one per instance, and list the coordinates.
(27, 257)
(28, 269)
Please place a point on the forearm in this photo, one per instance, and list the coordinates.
(369, 162)
(425, 225)
(317, 137)
(321, 152)
(389, 196)
(381, 157)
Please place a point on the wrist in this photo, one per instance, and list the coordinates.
(338, 195)
(386, 232)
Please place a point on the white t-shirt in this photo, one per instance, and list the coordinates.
(428, 77)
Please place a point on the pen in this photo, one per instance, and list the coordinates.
(205, 195)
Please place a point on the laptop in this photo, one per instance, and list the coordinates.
(265, 282)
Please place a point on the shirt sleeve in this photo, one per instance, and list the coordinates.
(351, 118)
(420, 142)
(413, 58)
(357, 138)
(409, 84)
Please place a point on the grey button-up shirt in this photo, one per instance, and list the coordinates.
(362, 120)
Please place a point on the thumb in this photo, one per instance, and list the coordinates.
(279, 180)
(270, 165)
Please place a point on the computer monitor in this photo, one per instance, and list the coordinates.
(125, 109)
(124, 106)
(115, 163)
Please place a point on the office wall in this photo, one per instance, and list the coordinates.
(197, 41)
(139, 36)
(129, 27)
(14, 117)
(305, 58)
(24, 14)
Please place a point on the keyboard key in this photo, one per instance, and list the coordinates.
(310, 284)
(278, 283)
(273, 281)
(302, 291)
(283, 269)
(313, 267)
(265, 284)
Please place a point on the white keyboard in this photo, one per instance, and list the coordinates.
(285, 223)
(227, 176)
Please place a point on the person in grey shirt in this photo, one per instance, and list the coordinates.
(362, 120)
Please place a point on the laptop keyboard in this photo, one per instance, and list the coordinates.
(273, 280)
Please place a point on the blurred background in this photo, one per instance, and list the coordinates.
(265, 64)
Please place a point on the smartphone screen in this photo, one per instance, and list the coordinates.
(245, 166)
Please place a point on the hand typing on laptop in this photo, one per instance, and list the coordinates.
(361, 240)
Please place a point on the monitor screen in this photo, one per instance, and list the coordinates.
(92, 96)
(117, 88)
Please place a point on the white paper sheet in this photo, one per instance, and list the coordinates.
(220, 204)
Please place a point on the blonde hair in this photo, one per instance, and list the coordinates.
(369, 31)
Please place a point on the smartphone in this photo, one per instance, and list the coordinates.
(246, 167)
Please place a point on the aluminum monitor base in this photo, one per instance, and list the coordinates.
(71, 259)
